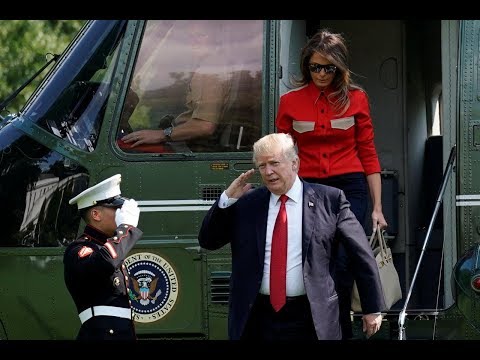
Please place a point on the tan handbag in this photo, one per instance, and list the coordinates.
(392, 290)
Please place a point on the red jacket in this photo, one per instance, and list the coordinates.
(328, 145)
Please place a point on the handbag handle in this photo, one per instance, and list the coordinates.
(381, 244)
(373, 239)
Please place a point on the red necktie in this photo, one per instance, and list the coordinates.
(278, 260)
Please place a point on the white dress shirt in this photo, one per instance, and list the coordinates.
(294, 205)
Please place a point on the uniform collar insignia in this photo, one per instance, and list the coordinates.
(95, 235)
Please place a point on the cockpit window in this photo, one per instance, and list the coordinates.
(196, 87)
(73, 99)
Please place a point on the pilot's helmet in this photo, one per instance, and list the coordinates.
(106, 193)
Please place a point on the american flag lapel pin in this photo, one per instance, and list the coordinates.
(310, 204)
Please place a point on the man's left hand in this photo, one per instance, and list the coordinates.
(371, 323)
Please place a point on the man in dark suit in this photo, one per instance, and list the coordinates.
(317, 218)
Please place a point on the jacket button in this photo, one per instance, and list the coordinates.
(120, 232)
(115, 238)
(322, 126)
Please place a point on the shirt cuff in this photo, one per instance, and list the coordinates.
(225, 201)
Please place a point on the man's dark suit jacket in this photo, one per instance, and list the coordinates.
(327, 218)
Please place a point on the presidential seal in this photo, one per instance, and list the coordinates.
(153, 286)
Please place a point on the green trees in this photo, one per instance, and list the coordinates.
(24, 45)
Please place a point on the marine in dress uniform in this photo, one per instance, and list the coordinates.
(94, 270)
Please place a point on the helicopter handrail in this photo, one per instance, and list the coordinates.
(446, 175)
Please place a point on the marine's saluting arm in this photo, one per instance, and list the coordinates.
(116, 248)
(126, 234)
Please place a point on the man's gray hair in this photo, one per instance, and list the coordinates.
(272, 142)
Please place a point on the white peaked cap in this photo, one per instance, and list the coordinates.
(106, 189)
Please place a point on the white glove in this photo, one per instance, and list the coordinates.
(128, 213)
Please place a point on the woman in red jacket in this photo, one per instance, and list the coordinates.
(329, 118)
